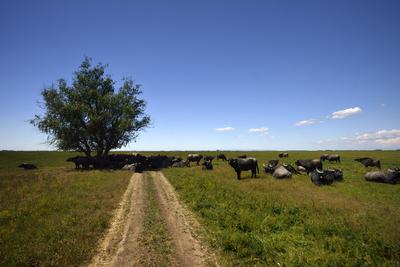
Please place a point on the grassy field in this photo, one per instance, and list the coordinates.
(55, 215)
(292, 222)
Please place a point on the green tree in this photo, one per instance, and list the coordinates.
(91, 115)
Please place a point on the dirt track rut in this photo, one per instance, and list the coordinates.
(122, 246)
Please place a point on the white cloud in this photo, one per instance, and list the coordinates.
(389, 142)
(225, 129)
(388, 139)
(383, 105)
(382, 134)
(341, 114)
(307, 122)
(262, 130)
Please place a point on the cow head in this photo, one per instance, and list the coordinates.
(233, 163)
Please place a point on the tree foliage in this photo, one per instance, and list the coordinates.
(92, 115)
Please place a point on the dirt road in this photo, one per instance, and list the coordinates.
(151, 227)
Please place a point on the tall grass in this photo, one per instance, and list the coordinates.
(54, 215)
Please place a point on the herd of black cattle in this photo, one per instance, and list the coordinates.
(313, 168)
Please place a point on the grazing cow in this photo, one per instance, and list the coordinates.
(330, 158)
(221, 156)
(27, 166)
(207, 165)
(208, 158)
(79, 161)
(369, 162)
(281, 172)
(242, 156)
(333, 158)
(309, 165)
(326, 177)
(194, 158)
(181, 164)
(241, 164)
(290, 168)
(324, 157)
(283, 155)
(390, 176)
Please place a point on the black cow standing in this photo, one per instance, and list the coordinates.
(247, 164)
(79, 161)
(194, 158)
(309, 165)
(221, 156)
(330, 158)
(209, 158)
(369, 162)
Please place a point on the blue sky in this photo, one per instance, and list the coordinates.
(280, 68)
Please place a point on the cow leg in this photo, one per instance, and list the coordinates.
(238, 175)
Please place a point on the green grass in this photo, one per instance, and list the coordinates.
(53, 216)
(292, 222)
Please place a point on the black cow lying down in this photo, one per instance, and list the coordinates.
(281, 172)
(175, 159)
(271, 166)
(369, 162)
(390, 176)
(181, 164)
(290, 168)
(207, 165)
(118, 161)
(27, 166)
(326, 177)
(247, 164)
